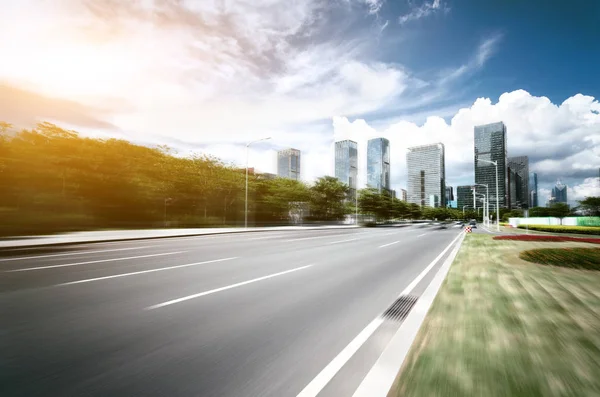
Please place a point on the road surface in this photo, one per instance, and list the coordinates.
(256, 314)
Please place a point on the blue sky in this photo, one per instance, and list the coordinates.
(208, 76)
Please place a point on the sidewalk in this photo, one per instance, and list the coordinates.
(120, 235)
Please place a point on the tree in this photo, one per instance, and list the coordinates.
(414, 211)
(327, 197)
(590, 206)
(559, 210)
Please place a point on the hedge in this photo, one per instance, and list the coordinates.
(576, 258)
(547, 238)
(563, 229)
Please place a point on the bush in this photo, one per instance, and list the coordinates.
(576, 258)
(542, 238)
(563, 229)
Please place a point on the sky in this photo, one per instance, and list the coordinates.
(209, 76)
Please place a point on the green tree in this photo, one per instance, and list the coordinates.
(590, 206)
(559, 210)
(327, 197)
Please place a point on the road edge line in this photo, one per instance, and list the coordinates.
(384, 372)
(318, 383)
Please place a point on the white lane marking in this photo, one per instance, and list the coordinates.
(71, 253)
(26, 269)
(421, 235)
(266, 237)
(89, 280)
(212, 291)
(387, 245)
(380, 377)
(342, 241)
(323, 378)
(312, 238)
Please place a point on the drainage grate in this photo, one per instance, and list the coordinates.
(400, 308)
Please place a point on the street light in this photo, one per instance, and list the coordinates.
(487, 192)
(246, 201)
(464, 206)
(484, 202)
(497, 196)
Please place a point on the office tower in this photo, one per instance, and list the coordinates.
(490, 145)
(533, 193)
(464, 197)
(519, 166)
(378, 164)
(559, 193)
(288, 164)
(449, 194)
(346, 164)
(403, 194)
(426, 175)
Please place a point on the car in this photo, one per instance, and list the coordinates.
(473, 224)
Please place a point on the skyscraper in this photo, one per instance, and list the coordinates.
(533, 193)
(426, 175)
(464, 197)
(288, 163)
(490, 145)
(519, 165)
(559, 193)
(346, 164)
(449, 194)
(378, 164)
(403, 194)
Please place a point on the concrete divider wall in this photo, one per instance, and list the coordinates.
(567, 221)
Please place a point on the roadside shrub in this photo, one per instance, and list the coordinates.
(575, 258)
(541, 238)
(564, 229)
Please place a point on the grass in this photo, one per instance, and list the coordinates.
(576, 258)
(563, 229)
(504, 327)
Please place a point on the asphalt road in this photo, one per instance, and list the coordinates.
(250, 314)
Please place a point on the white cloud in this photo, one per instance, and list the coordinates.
(588, 188)
(422, 11)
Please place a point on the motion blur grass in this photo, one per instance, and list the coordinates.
(501, 326)
(564, 229)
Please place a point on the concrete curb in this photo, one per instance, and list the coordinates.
(383, 374)
(111, 240)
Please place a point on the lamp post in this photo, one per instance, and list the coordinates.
(497, 196)
(464, 206)
(487, 192)
(246, 201)
(484, 201)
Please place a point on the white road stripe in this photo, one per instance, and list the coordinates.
(266, 237)
(71, 253)
(421, 235)
(212, 291)
(89, 280)
(343, 241)
(26, 269)
(312, 238)
(323, 378)
(386, 245)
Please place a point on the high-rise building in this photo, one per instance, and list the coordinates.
(519, 165)
(559, 193)
(288, 164)
(533, 192)
(378, 164)
(346, 164)
(426, 175)
(403, 194)
(490, 145)
(449, 195)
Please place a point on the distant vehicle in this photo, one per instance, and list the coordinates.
(473, 224)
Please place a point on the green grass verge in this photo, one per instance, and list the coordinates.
(503, 327)
(577, 258)
(564, 229)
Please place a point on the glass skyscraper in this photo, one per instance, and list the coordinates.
(426, 175)
(288, 164)
(346, 164)
(378, 164)
(490, 144)
(533, 193)
(519, 166)
(559, 193)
